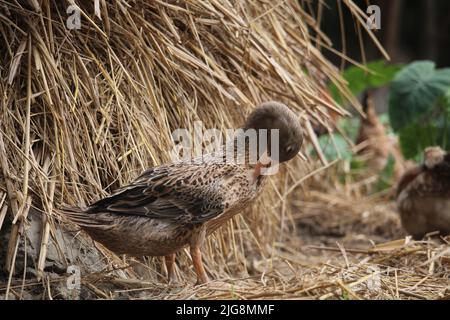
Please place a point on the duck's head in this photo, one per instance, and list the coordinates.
(433, 156)
(275, 115)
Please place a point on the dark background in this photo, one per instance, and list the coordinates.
(410, 30)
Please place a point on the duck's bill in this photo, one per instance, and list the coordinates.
(269, 166)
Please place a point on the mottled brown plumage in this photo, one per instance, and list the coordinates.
(423, 195)
(176, 205)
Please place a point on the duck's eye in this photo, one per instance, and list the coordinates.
(289, 148)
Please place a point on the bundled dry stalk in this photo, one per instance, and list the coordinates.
(83, 111)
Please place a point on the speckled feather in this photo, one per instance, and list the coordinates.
(423, 198)
(175, 205)
(165, 205)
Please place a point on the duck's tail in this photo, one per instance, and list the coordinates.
(83, 218)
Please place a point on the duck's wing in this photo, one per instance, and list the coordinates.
(408, 177)
(179, 193)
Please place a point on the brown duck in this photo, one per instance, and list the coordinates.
(176, 205)
(423, 195)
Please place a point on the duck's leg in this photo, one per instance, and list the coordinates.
(198, 237)
(170, 266)
(196, 256)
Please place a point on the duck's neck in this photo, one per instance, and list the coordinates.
(241, 151)
(244, 151)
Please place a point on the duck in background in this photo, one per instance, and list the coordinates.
(376, 145)
(423, 195)
(176, 205)
(373, 143)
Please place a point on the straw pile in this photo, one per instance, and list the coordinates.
(83, 111)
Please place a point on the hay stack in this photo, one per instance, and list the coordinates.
(83, 111)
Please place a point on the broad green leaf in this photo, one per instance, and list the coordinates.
(359, 79)
(442, 123)
(338, 149)
(414, 138)
(447, 101)
(414, 92)
(385, 178)
(350, 126)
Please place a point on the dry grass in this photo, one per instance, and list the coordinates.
(347, 247)
(342, 249)
(84, 111)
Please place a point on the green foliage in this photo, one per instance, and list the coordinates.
(379, 73)
(419, 107)
(447, 99)
(414, 91)
(359, 80)
(350, 126)
(415, 138)
(385, 179)
(335, 147)
(419, 111)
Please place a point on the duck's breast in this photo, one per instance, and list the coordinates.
(423, 214)
(239, 190)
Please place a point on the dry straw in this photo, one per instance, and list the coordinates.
(84, 111)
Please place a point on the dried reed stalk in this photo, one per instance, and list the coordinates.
(84, 111)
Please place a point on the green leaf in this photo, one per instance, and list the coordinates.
(415, 137)
(359, 79)
(385, 178)
(350, 126)
(356, 164)
(332, 151)
(414, 91)
(447, 101)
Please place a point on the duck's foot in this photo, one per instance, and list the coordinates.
(202, 280)
(173, 281)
